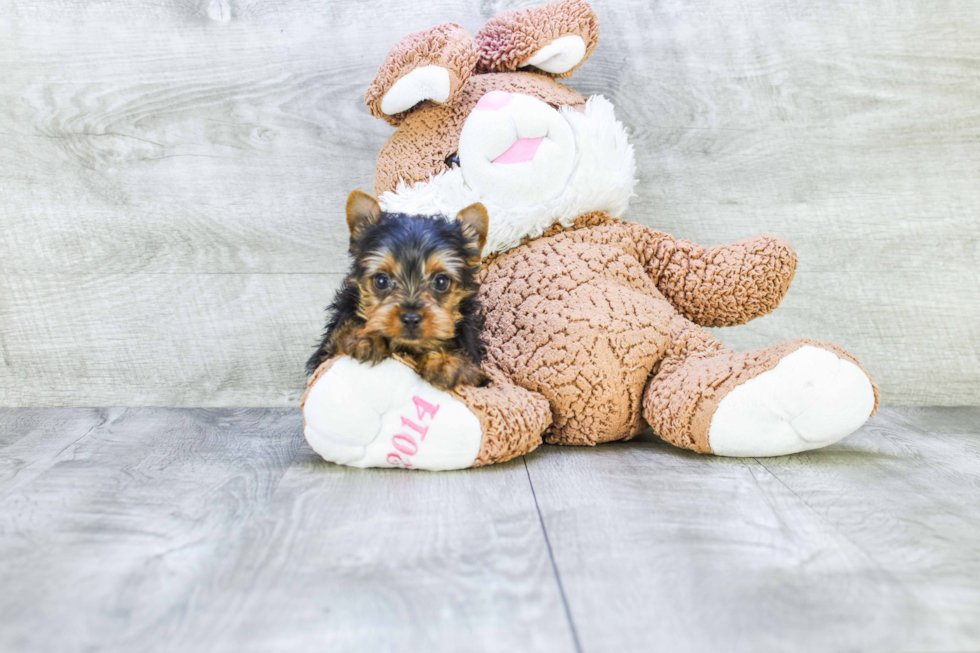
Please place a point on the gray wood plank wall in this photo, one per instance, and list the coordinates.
(172, 177)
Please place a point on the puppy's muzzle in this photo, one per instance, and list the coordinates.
(411, 321)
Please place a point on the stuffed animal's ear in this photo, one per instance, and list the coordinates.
(430, 65)
(475, 222)
(362, 212)
(554, 39)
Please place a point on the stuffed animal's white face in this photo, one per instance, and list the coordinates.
(531, 165)
(515, 150)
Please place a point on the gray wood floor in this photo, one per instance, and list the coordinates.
(219, 530)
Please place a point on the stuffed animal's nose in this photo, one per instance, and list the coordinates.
(494, 100)
(411, 320)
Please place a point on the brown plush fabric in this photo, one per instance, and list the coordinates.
(447, 45)
(590, 219)
(512, 37)
(718, 286)
(512, 418)
(698, 372)
(579, 317)
(430, 132)
(599, 323)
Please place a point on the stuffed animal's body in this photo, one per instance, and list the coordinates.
(593, 326)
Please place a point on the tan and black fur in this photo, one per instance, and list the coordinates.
(411, 292)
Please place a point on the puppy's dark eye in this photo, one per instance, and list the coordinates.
(441, 282)
(452, 161)
(381, 281)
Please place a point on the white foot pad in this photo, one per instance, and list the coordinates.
(809, 400)
(386, 416)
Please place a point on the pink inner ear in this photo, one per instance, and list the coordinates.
(493, 100)
(522, 150)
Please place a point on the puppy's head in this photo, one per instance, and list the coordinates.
(413, 272)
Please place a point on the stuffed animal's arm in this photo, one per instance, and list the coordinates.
(724, 285)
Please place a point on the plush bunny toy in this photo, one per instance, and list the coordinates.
(593, 326)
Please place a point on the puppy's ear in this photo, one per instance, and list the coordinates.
(475, 222)
(362, 212)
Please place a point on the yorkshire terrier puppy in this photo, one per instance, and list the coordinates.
(411, 292)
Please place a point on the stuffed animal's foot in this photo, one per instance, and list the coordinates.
(791, 397)
(386, 415)
(810, 399)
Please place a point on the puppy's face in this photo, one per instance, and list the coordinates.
(412, 272)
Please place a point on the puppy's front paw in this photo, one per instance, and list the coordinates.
(366, 348)
(446, 371)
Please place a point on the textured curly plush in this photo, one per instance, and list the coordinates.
(585, 315)
(512, 37)
(418, 150)
(447, 45)
(698, 372)
(725, 285)
(512, 418)
(595, 327)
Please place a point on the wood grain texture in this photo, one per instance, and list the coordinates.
(920, 520)
(367, 560)
(158, 339)
(115, 537)
(868, 545)
(220, 530)
(32, 441)
(160, 158)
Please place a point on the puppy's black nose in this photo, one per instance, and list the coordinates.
(411, 320)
